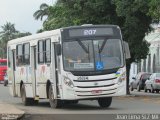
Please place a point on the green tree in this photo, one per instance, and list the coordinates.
(131, 15)
(71, 12)
(154, 10)
(43, 11)
(8, 32)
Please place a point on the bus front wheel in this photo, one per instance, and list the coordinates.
(105, 102)
(54, 103)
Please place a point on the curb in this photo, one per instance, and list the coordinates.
(12, 116)
(10, 112)
(148, 96)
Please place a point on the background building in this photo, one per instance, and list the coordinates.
(152, 63)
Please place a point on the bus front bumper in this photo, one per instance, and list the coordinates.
(94, 93)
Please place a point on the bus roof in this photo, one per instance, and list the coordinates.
(89, 25)
(47, 34)
(42, 35)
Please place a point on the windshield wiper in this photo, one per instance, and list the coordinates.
(88, 53)
(83, 46)
(99, 52)
(103, 44)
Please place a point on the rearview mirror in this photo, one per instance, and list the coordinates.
(58, 49)
(127, 51)
(133, 78)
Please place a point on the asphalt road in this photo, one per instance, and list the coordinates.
(136, 103)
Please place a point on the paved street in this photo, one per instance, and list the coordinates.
(138, 102)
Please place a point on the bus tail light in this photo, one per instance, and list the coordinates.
(157, 81)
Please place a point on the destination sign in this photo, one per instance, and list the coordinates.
(91, 32)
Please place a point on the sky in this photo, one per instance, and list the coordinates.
(20, 13)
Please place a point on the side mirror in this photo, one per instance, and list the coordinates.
(127, 51)
(133, 78)
(58, 49)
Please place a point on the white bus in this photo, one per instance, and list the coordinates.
(68, 64)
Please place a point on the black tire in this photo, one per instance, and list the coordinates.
(26, 101)
(152, 90)
(54, 103)
(145, 88)
(138, 88)
(131, 87)
(5, 84)
(157, 91)
(105, 102)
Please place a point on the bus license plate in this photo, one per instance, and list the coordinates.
(96, 91)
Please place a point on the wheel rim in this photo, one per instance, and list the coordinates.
(53, 102)
(51, 94)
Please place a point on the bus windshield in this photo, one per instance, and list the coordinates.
(92, 55)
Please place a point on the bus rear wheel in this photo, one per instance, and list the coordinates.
(26, 101)
(54, 103)
(105, 102)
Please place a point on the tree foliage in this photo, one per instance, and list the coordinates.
(154, 10)
(136, 25)
(43, 11)
(71, 12)
(8, 32)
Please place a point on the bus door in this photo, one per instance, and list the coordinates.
(33, 69)
(55, 70)
(13, 69)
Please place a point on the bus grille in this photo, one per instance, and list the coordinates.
(95, 86)
(97, 94)
(95, 80)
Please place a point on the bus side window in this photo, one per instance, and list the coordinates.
(26, 53)
(19, 55)
(48, 50)
(41, 51)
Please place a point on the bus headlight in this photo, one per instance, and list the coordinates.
(68, 82)
(122, 78)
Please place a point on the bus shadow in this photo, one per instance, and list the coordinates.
(79, 107)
